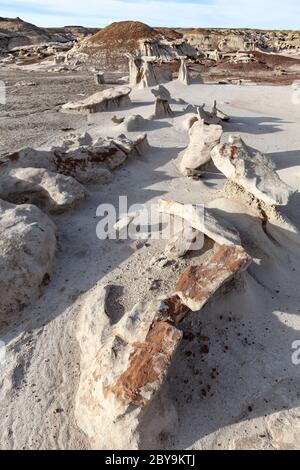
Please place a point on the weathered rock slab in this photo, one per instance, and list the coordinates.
(107, 100)
(80, 158)
(199, 283)
(203, 220)
(52, 192)
(252, 170)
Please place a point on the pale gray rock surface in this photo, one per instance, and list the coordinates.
(52, 192)
(203, 139)
(27, 249)
(107, 100)
(252, 170)
(121, 402)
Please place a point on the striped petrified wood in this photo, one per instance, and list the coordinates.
(197, 284)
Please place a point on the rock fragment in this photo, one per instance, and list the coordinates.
(122, 374)
(203, 139)
(203, 220)
(199, 283)
(219, 114)
(252, 170)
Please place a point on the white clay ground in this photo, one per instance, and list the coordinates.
(232, 379)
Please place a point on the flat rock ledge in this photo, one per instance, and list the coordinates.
(107, 100)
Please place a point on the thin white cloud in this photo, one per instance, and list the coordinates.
(219, 13)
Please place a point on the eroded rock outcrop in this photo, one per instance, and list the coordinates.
(27, 249)
(81, 158)
(107, 100)
(162, 106)
(184, 74)
(135, 73)
(50, 191)
(148, 77)
(122, 401)
(252, 170)
(203, 139)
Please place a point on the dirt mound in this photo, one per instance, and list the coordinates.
(109, 48)
(16, 32)
(124, 34)
(16, 25)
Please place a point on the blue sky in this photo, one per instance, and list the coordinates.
(264, 14)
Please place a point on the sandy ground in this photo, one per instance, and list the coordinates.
(233, 372)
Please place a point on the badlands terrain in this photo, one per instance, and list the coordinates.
(121, 343)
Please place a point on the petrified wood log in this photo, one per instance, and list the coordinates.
(198, 283)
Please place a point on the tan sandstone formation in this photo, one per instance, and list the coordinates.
(84, 160)
(122, 399)
(52, 192)
(148, 77)
(135, 74)
(107, 100)
(184, 74)
(252, 170)
(162, 106)
(203, 139)
(27, 249)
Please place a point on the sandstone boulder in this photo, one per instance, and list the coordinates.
(51, 192)
(275, 220)
(161, 92)
(122, 399)
(107, 100)
(185, 122)
(27, 249)
(198, 153)
(252, 170)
